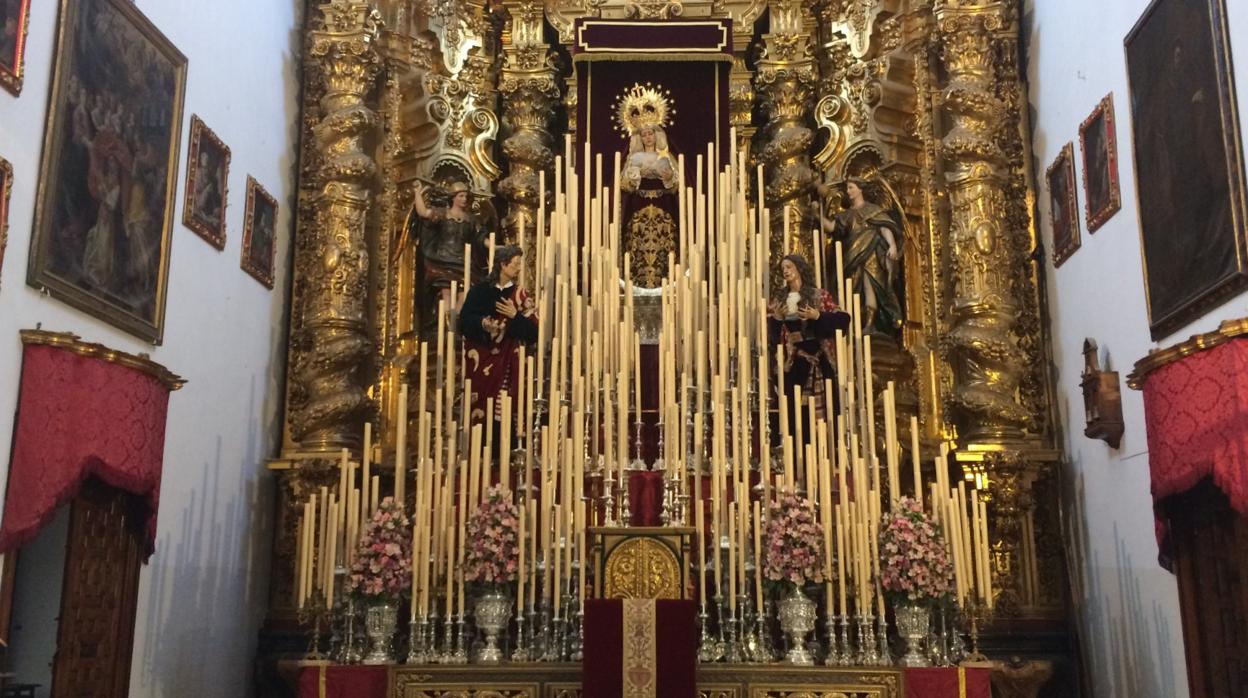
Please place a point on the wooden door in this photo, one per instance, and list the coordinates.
(101, 586)
(1211, 561)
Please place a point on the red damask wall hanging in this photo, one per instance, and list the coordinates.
(83, 409)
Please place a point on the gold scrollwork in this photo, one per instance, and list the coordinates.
(651, 236)
(642, 568)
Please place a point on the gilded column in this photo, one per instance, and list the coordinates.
(980, 344)
(785, 80)
(327, 395)
(530, 92)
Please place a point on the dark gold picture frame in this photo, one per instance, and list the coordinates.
(104, 208)
(14, 29)
(1188, 158)
(259, 233)
(207, 184)
(6, 190)
(1063, 207)
(1098, 143)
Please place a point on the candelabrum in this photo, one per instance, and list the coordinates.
(833, 657)
(608, 500)
(521, 651)
(706, 644)
(938, 640)
(460, 656)
(418, 651)
(732, 648)
(517, 466)
(548, 653)
(766, 652)
(721, 626)
(868, 651)
(351, 653)
(314, 612)
(659, 462)
(448, 641)
(577, 621)
(885, 657)
(977, 613)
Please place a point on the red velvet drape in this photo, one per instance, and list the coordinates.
(676, 648)
(1196, 415)
(79, 416)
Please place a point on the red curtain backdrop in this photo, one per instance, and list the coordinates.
(695, 71)
(79, 416)
(1196, 416)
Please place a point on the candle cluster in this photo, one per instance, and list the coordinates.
(561, 450)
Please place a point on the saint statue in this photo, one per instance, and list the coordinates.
(804, 319)
(441, 234)
(498, 318)
(871, 248)
(649, 181)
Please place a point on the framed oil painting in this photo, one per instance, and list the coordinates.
(1188, 160)
(207, 175)
(6, 188)
(1063, 210)
(1101, 195)
(13, 44)
(259, 233)
(104, 208)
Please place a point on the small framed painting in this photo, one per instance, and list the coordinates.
(207, 176)
(1100, 164)
(259, 233)
(6, 188)
(1063, 209)
(13, 44)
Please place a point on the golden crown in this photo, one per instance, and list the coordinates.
(643, 105)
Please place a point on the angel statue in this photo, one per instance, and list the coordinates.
(871, 238)
(648, 181)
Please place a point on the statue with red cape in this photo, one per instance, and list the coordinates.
(497, 320)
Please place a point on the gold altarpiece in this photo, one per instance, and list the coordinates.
(926, 94)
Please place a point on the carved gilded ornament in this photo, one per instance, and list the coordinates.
(988, 364)
(327, 395)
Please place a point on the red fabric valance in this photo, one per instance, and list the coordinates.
(1196, 415)
(78, 416)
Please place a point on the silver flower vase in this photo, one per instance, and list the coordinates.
(912, 624)
(797, 620)
(380, 623)
(492, 612)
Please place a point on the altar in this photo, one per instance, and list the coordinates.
(660, 158)
(563, 681)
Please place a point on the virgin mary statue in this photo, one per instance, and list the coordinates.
(649, 182)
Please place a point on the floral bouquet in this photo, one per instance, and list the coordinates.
(794, 542)
(492, 558)
(382, 571)
(914, 560)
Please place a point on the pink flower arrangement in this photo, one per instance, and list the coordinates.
(382, 570)
(794, 542)
(914, 560)
(493, 558)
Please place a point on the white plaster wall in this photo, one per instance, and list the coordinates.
(202, 596)
(1127, 605)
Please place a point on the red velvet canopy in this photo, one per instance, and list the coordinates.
(83, 410)
(1196, 415)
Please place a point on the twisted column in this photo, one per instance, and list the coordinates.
(785, 81)
(987, 361)
(327, 397)
(530, 93)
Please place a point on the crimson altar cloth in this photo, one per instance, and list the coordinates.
(639, 648)
(343, 681)
(948, 682)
